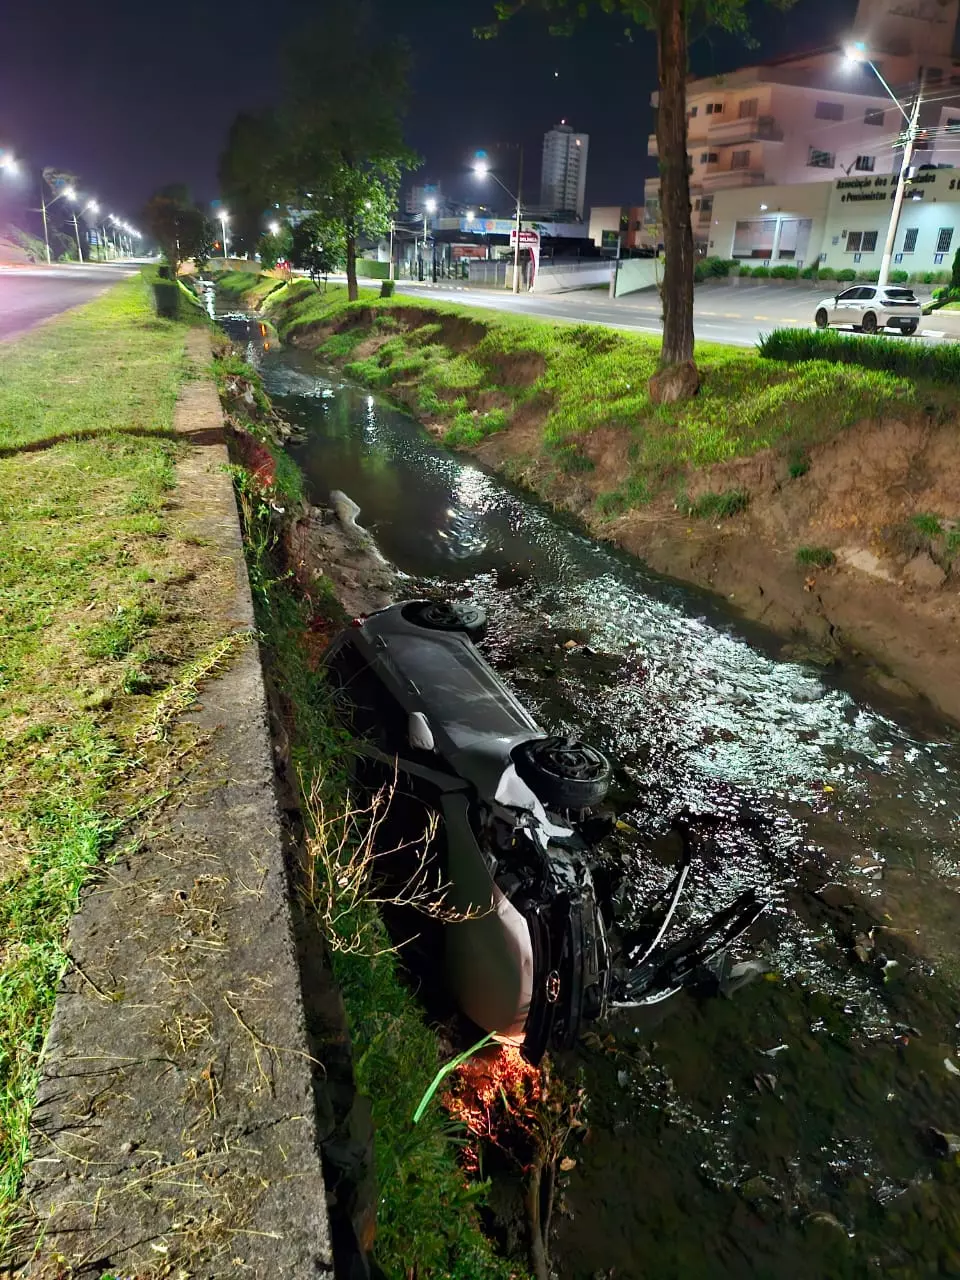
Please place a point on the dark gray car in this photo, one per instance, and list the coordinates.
(532, 961)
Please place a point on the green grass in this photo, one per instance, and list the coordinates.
(928, 525)
(588, 380)
(91, 627)
(427, 1210)
(245, 286)
(815, 557)
(718, 506)
(914, 360)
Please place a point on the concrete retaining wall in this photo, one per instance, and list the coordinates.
(635, 273)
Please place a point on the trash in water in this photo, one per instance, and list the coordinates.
(779, 1048)
(951, 1067)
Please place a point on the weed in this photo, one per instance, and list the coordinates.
(118, 635)
(815, 557)
(912, 360)
(470, 428)
(798, 463)
(928, 525)
(718, 506)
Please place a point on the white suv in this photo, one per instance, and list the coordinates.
(868, 308)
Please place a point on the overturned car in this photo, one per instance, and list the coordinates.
(527, 950)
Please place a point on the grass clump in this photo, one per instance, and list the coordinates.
(471, 428)
(895, 356)
(815, 557)
(87, 462)
(928, 525)
(717, 506)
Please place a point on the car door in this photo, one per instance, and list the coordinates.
(867, 301)
(845, 309)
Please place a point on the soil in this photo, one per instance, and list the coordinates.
(892, 596)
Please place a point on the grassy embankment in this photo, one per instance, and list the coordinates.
(99, 632)
(574, 397)
(426, 1214)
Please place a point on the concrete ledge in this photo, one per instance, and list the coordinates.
(176, 1130)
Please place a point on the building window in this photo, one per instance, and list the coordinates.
(693, 112)
(910, 240)
(740, 160)
(829, 111)
(748, 108)
(944, 238)
(873, 116)
(865, 164)
(706, 204)
(708, 157)
(861, 241)
(714, 108)
(820, 159)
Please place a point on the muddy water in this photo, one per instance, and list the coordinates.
(802, 1127)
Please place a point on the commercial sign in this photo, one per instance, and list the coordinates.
(528, 240)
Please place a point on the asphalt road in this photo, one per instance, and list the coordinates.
(736, 314)
(31, 294)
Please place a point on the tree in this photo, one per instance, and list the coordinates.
(247, 175)
(955, 272)
(272, 246)
(669, 20)
(342, 149)
(318, 246)
(179, 227)
(203, 245)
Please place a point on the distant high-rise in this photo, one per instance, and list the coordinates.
(564, 175)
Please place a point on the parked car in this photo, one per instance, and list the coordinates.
(868, 308)
(528, 955)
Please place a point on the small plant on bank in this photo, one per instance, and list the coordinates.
(470, 428)
(815, 557)
(928, 525)
(798, 463)
(717, 506)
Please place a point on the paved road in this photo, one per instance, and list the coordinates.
(736, 314)
(31, 294)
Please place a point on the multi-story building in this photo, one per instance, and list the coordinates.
(615, 224)
(563, 177)
(817, 116)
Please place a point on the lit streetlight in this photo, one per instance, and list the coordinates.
(224, 219)
(857, 53)
(429, 206)
(483, 170)
(274, 228)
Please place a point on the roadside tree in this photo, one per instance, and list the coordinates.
(179, 227)
(318, 247)
(670, 20)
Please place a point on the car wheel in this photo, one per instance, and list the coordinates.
(563, 773)
(869, 323)
(448, 615)
(821, 319)
(907, 329)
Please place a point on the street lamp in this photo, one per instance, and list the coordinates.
(273, 228)
(91, 204)
(429, 206)
(69, 194)
(857, 53)
(224, 219)
(482, 170)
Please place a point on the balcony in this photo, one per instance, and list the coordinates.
(749, 129)
(717, 179)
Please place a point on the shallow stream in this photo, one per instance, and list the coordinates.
(807, 1125)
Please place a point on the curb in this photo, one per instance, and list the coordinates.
(176, 1124)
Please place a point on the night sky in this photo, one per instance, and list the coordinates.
(130, 97)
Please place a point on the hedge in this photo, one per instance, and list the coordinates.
(891, 355)
(372, 269)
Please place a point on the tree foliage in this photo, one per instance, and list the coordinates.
(335, 146)
(272, 246)
(246, 175)
(318, 246)
(180, 228)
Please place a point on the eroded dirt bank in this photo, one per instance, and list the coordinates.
(891, 596)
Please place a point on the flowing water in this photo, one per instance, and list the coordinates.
(807, 1125)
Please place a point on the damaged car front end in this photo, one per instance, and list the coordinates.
(527, 950)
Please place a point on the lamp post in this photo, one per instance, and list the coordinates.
(393, 273)
(224, 219)
(91, 204)
(429, 206)
(482, 170)
(70, 195)
(857, 53)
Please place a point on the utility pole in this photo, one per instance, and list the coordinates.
(516, 248)
(76, 232)
(43, 210)
(912, 131)
(393, 273)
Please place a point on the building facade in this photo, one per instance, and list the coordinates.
(563, 177)
(609, 224)
(819, 116)
(840, 224)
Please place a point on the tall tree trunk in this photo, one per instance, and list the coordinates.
(677, 290)
(352, 291)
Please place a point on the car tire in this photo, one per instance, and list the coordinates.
(869, 322)
(821, 319)
(448, 615)
(562, 772)
(907, 329)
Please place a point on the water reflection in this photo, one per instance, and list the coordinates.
(781, 1132)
